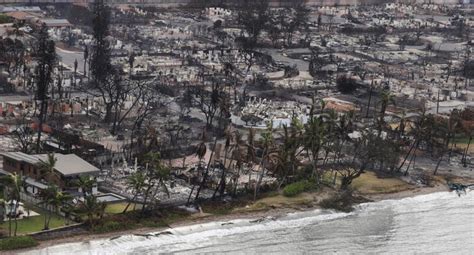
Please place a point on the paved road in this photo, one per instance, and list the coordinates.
(279, 57)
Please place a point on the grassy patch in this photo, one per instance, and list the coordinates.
(136, 219)
(219, 208)
(17, 242)
(35, 223)
(369, 183)
(460, 139)
(119, 207)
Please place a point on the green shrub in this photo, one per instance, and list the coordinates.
(5, 19)
(296, 188)
(17, 242)
(111, 226)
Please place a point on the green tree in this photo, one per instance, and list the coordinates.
(156, 175)
(314, 138)
(92, 207)
(86, 183)
(53, 198)
(267, 142)
(15, 183)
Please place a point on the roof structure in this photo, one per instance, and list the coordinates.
(19, 9)
(21, 15)
(56, 22)
(28, 180)
(66, 164)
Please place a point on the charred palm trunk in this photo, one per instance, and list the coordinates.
(41, 117)
(260, 176)
(464, 157)
(412, 159)
(130, 202)
(221, 186)
(206, 172)
(407, 155)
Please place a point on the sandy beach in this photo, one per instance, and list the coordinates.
(200, 218)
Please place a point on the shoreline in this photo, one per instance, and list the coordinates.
(197, 218)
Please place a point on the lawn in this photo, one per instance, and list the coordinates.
(35, 223)
(116, 208)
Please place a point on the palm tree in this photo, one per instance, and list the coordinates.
(137, 181)
(15, 182)
(156, 175)
(86, 183)
(93, 207)
(314, 138)
(2, 210)
(47, 168)
(287, 161)
(267, 140)
(54, 199)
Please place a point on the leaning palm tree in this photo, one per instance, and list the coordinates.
(137, 182)
(156, 175)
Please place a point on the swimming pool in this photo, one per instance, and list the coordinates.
(110, 198)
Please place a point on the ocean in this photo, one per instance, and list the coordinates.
(437, 223)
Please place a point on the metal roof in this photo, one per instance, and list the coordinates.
(20, 8)
(56, 22)
(66, 164)
(28, 180)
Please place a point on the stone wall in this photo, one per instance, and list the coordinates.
(66, 231)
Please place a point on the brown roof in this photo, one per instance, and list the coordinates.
(19, 15)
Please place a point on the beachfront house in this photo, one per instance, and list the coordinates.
(67, 170)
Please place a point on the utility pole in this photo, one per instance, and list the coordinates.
(437, 104)
(370, 97)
